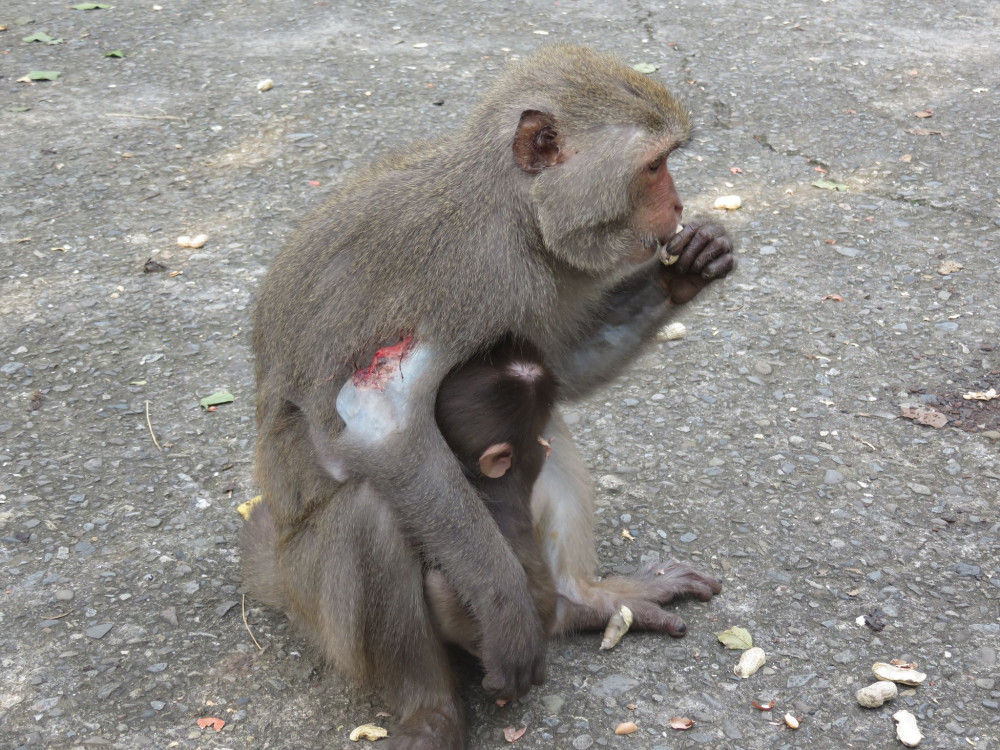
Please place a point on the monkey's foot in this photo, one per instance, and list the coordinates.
(379, 399)
(644, 593)
(659, 584)
(429, 729)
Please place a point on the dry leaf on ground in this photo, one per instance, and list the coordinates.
(924, 415)
(512, 734)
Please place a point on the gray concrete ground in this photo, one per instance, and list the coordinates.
(767, 446)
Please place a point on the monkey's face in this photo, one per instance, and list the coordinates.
(658, 207)
(611, 203)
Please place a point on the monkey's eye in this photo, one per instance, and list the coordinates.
(655, 165)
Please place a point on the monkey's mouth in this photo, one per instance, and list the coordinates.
(644, 251)
(658, 246)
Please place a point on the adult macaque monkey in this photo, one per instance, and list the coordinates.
(491, 411)
(541, 219)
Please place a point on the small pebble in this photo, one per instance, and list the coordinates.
(98, 631)
(832, 476)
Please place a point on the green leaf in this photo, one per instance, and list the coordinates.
(219, 397)
(114, 53)
(41, 36)
(645, 68)
(89, 6)
(43, 75)
(736, 638)
(829, 185)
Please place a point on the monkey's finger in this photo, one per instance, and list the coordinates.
(704, 236)
(678, 242)
(721, 266)
(672, 579)
(703, 591)
(701, 585)
(649, 616)
(712, 251)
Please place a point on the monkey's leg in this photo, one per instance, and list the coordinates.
(356, 584)
(563, 505)
(518, 528)
(454, 620)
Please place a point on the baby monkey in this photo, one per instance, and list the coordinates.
(491, 412)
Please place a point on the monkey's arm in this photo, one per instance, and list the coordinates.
(391, 438)
(634, 310)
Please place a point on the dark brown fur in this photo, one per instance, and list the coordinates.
(502, 398)
(539, 219)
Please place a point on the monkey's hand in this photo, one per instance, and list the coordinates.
(697, 255)
(513, 650)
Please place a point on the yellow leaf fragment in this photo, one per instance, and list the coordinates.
(735, 638)
(626, 727)
(681, 723)
(244, 508)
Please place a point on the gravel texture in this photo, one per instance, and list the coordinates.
(766, 445)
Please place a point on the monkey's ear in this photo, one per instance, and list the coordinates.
(496, 460)
(537, 142)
